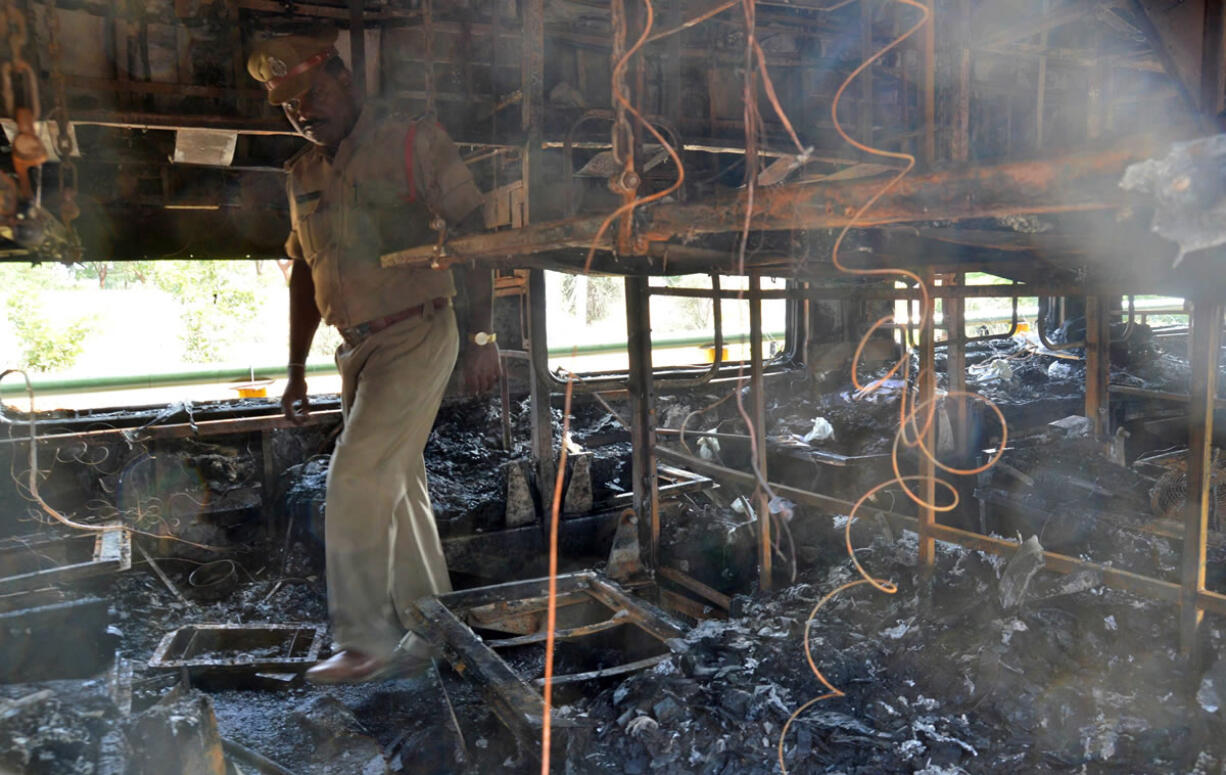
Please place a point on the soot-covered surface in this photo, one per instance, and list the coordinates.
(1077, 678)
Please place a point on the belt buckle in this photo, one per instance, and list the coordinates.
(354, 335)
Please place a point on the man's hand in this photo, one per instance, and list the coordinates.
(296, 393)
(482, 367)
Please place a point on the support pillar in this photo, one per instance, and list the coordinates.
(960, 139)
(927, 395)
(532, 86)
(1204, 350)
(955, 326)
(1098, 365)
(930, 91)
(643, 420)
(757, 412)
(542, 416)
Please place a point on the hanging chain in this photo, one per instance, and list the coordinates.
(18, 36)
(64, 147)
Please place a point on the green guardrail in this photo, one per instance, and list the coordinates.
(14, 386)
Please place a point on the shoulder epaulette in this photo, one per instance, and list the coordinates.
(301, 152)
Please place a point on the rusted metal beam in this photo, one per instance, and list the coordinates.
(960, 139)
(1159, 395)
(864, 110)
(696, 586)
(929, 85)
(954, 310)
(757, 391)
(646, 616)
(188, 430)
(643, 419)
(1098, 363)
(927, 400)
(170, 122)
(689, 606)
(1204, 351)
(540, 395)
(1072, 183)
(606, 672)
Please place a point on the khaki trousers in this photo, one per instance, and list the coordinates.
(382, 544)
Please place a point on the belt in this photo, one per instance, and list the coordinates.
(355, 334)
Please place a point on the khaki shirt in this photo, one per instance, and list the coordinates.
(349, 210)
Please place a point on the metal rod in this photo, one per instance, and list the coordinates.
(252, 759)
(697, 587)
(157, 570)
(876, 293)
(927, 400)
(591, 675)
(758, 393)
(504, 391)
(1098, 362)
(930, 101)
(1042, 327)
(960, 142)
(567, 634)
(539, 389)
(1203, 352)
(1014, 324)
(955, 323)
(729, 293)
(642, 418)
(1157, 395)
(981, 191)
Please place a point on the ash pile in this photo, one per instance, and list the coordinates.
(995, 667)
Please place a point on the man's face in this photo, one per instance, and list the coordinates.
(326, 112)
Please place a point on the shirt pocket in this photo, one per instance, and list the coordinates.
(313, 223)
(377, 212)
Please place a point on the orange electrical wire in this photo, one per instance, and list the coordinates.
(618, 71)
(551, 619)
(903, 364)
(908, 409)
(889, 186)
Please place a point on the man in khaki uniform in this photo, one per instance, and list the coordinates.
(371, 182)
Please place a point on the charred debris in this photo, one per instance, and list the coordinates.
(963, 516)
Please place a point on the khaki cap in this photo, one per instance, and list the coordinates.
(286, 65)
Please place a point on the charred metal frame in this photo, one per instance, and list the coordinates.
(519, 607)
(110, 553)
(218, 647)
